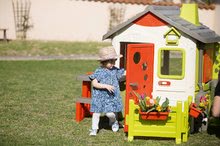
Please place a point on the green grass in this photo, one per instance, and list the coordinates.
(37, 107)
(43, 48)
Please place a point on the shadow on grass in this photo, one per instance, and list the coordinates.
(213, 130)
(104, 122)
(214, 127)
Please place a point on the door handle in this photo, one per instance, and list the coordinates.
(164, 83)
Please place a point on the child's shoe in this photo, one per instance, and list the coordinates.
(115, 126)
(93, 132)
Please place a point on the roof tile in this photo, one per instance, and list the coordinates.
(150, 2)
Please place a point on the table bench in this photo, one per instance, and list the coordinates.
(83, 103)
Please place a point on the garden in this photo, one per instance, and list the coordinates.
(37, 100)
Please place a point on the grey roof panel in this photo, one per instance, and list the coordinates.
(165, 10)
(207, 34)
(156, 7)
(183, 22)
(174, 18)
(192, 27)
(200, 27)
(170, 14)
(203, 31)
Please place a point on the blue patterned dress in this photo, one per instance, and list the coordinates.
(102, 100)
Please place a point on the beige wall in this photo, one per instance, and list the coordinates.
(216, 26)
(7, 18)
(68, 20)
(75, 20)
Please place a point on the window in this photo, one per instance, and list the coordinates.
(171, 63)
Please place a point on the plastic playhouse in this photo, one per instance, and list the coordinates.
(166, 53)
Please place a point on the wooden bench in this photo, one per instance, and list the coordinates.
(82, 108)
(83, 103)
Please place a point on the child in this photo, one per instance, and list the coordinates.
(106, 94)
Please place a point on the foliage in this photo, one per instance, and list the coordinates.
(204, 102)
(148, 104)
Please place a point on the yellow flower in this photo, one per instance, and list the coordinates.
(201, 104)
(158, 108)
(207, 96)
(147, 98)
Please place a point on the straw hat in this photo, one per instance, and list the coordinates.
(108, 53)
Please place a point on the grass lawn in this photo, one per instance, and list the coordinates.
(37, 107)
(43, 48)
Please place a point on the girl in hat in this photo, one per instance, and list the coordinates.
(106, 94)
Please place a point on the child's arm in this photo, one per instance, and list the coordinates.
(120, 73)
(98, 85)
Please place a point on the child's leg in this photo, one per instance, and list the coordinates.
(112, 121)
(112, 117)
(95, 120)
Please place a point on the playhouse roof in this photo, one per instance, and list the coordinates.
(171, 15)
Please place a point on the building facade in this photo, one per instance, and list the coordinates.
(77, 20)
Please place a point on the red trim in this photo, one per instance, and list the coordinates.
(161, 116)
(150, 19)
(207, 65)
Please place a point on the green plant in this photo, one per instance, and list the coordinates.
(148, 104)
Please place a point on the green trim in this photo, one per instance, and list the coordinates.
(216, 61)
(177, 77)
(197, 69)
(172, 32)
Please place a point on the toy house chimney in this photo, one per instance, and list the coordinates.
(189, 12)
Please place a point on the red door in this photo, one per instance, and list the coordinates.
(139, 72)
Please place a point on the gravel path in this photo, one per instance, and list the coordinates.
(64, 57)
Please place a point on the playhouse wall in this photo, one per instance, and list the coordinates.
(216, 60)
(179, 89)
(211, 62)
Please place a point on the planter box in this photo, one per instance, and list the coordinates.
(154, 115)
(194, 112)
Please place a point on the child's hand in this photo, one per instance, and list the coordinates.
(124, 73)
(103, 86)
(110, 88)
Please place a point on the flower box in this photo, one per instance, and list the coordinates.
(194, 112)
(154, 115)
